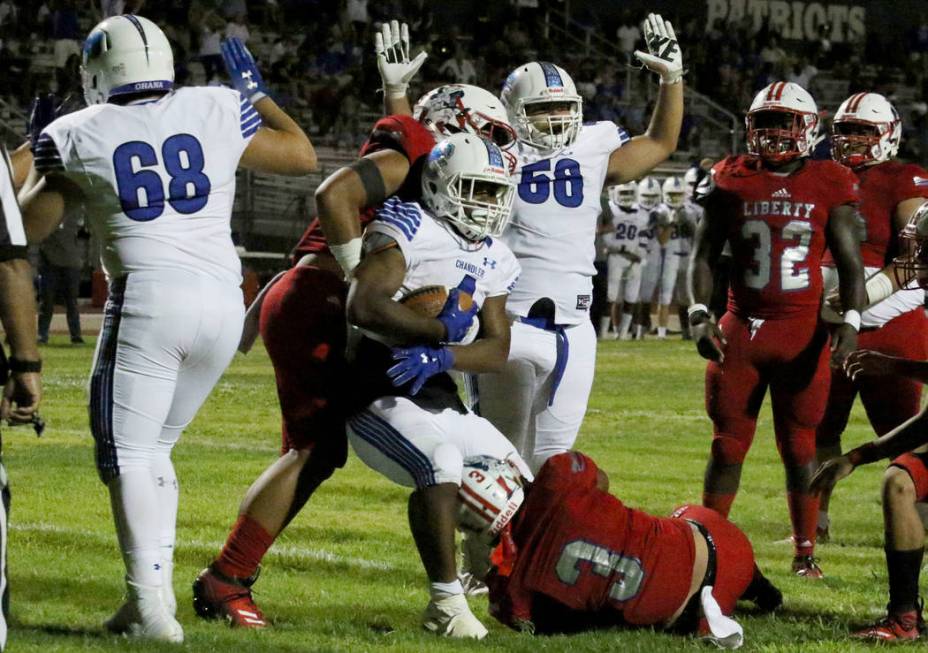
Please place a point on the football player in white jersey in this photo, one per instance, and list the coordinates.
(155, 169)
(693, 214)
(409, 423)
(540, 399)
(675, 252)
(657, 234)
(626, 244)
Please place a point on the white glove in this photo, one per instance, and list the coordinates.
(665, 57)
(392, 47)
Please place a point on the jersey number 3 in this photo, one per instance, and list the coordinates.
(535, 186)
(140, 183)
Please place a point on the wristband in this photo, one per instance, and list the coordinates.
(18, 366)
(676, 79)
(878, 288)
(852, 318)
(395, 91)
(863, 455)
(696, 308)
(348, 255)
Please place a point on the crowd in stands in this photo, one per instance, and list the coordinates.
(316, 54)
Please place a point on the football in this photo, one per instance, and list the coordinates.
(429, 300)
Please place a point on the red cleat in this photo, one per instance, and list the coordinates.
(892, 628)
(807, 567)
(219, 597)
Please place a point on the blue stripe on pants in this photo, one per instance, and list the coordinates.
(101, 384)
(382, 436)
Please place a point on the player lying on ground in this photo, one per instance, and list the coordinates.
(778, 209)
(301, 317)
(905, 482)
(865, 137)
(573, 557)
(410, 424)
(155, 169)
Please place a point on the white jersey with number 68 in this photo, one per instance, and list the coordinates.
(554, 220)
(158, 177)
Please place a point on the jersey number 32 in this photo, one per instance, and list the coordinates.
(140, 177)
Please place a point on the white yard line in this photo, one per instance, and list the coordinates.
(279, 551)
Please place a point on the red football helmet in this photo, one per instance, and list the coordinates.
(912, 262)
(781, 123)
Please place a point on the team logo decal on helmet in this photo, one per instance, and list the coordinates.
(866, 130)
(781, 123)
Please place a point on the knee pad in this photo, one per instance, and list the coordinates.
(447, 464)
(729, 449)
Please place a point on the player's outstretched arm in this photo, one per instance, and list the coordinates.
(488, 353)
(843, 241)
(391, 46)
(642, 153)
(370, 297)
(707, 247)
(280, 146)
(347, 192)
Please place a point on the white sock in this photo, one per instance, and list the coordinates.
(624, 324)
(603, 326)
(162, 471)
(441, 591)
(823, 521)
(661, 332)
(137, 515)
(639, 330)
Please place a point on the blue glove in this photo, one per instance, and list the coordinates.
(242, 69)
(44, 111)
(418, 364)
(456, 320)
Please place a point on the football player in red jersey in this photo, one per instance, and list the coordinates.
(778, 209)
(866, 135)
(905, 482)
(573, 557)
(301, 316)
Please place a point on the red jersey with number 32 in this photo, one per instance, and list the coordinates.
(404, 134)
(776, 227)
(582, 548)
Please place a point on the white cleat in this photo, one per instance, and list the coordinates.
(143, 615)
(472, 585)
(451, 617)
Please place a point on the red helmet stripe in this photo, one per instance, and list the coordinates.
(479, 499)
(855, 102)
(477, 511)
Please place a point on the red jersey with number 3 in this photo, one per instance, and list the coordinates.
(401, 133)
(882, 187)
(776, 227)
(582, 549)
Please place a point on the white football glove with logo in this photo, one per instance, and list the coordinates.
(392, 47)
(663, 56)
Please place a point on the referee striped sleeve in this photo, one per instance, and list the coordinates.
(47, 156)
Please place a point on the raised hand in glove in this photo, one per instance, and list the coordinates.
(392, 47)
(418, 364)
(663, 56)
(242, 69)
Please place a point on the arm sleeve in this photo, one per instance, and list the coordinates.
(12, 234)
(249, 119)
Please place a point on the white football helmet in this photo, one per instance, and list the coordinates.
(781, 123)
(491, 492)
(455, 108)
(624, 195)
(649, 192)
(537, 85)
(690, 179)
(124, 55)
(866, 130)
(674, 192)
(459, 170)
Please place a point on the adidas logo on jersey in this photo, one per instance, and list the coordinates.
(781, 193)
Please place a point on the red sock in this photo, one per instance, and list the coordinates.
(803, 512)
(720, 503)
(246, 545)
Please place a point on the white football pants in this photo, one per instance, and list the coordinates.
(650, 274)
(518, 400)
(418, 447)
(624, 279)
(167, 337)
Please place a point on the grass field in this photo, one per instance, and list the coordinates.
(345, 576)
